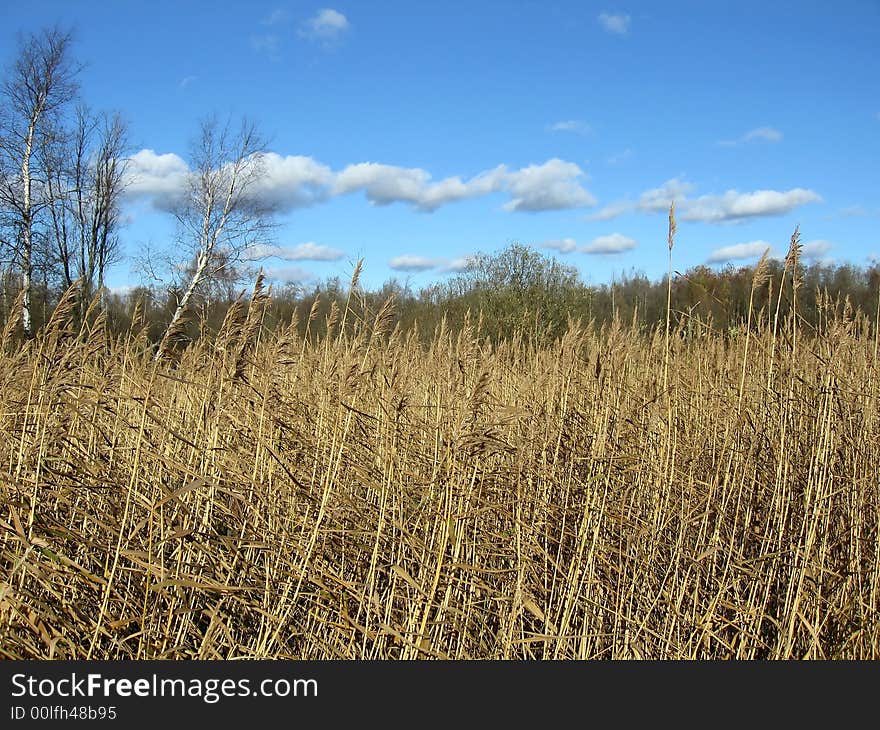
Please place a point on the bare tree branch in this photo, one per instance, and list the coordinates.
(219, 218)
(37, 87)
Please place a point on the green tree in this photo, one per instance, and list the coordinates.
(515, 287)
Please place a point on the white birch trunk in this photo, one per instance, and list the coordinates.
(27, 233)
(201, 264)
(209, 239)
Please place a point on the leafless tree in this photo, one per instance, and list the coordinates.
(41, 81)
(220, 215)
(85, 174)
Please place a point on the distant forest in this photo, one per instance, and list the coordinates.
(518, 290)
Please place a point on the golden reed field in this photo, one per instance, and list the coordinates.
(373, 494)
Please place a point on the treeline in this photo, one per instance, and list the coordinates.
(520, 291)
(516, 292)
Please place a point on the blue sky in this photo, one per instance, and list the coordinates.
(414, 135)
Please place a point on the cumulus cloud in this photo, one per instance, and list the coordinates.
(551, 186)
(614, 243)
(738, 251)
(161, 178)
(310, 251)
(729, 206)
(409, 262)
(611, 244)
(326, 26)
(296, 181)
(658, 200)
(293, 181)
(615, 23)
(386, 184)
(288, 274)
(655, 200)
(462, 263)
(415, 263)
(565, 245)
(765, 134)
(259, 251)
(612, 211)
(734, 205)
(286, 183)
(571, 125)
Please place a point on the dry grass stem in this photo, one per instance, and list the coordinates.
(365, 495)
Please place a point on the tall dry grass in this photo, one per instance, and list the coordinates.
(366, 496)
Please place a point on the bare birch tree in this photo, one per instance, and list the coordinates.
(220, 216)
(85, 174)
(40, 83)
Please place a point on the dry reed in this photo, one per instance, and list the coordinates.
(613, 495)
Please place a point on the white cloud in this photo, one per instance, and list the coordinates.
(310, 251)
(765, 134)
(452, 188)
(161, 178)
(615, 23)
(658, 200)
(327, 26)
(297, 181)
(259, 251)
(730, 206)
(459, 264)
(853, 211)
(738, 251)
(416, 263)
(816, 250)
(734, 205)
(386, 184)
(571, 125)
(612, 244)
(410, 262)
(186, 81)
(288, 274)
(655, 200)
(293, 181)
(565, 245)
(611, 211)
(550, 186)
(287, 182)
